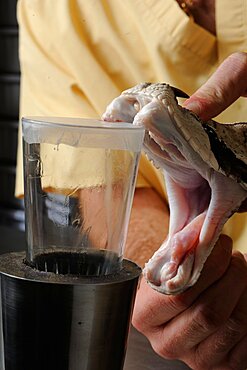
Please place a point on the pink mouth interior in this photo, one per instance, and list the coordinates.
(198, 211)
(189, 198)
(201, 199)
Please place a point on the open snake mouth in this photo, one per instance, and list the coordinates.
(189, 197)
(204, 188)
(201, 199)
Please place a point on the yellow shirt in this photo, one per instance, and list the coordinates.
(77, 56)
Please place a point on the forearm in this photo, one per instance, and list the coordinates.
(148, 225)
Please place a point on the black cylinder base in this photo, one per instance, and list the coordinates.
(62, 322)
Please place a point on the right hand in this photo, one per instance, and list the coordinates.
(206, 326)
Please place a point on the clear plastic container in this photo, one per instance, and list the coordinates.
(79, 180)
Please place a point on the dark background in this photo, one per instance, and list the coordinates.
(11, 209)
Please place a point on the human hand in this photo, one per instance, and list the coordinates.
(206, 326)
(226, 85)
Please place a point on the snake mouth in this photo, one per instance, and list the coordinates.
(205, 182)
(200, 199)
(189, 194)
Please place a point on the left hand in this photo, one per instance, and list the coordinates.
(206, 326)
(225, 86)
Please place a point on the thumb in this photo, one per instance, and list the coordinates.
(226, 85)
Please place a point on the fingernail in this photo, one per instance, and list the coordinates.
(194, 106)
(225, 239)
(226, 243)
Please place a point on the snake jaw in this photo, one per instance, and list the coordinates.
(198, 211)
(176, 142)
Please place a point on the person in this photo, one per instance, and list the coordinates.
(76, 56)
(206, 326)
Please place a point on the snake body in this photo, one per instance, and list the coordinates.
(205, 169)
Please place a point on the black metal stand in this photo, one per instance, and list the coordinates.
(64, 322)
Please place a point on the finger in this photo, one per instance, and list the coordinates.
(222, 341)
(212, 310)
(238, 356)
(243, 207)
(226, 85)
(153, 309)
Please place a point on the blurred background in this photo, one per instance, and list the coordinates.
(12, 223)
(11, 209)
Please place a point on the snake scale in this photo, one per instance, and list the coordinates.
(205, 170)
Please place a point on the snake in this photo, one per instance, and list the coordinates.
(205, 171)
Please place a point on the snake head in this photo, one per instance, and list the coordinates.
(205, 167)
(125, 107)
